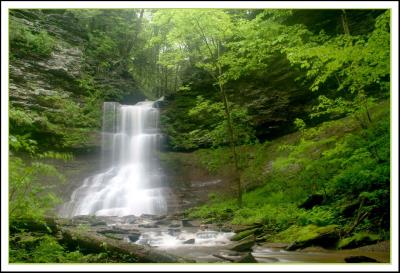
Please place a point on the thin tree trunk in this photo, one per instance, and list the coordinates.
(230, 131)
(345, 23)
(232, 142)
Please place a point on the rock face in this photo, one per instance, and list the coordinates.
(37, 78)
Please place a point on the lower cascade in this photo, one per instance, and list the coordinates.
(132, 181)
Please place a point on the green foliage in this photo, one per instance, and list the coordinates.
(358, 240)
(297, 233)
(325, 160)
(28, 42)
(25, 186)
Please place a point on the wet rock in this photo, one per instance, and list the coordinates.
(133, 237)
(159, 217)
(174, 224)
(149, 225)
(129, 219)
(115, 230)
(149, 216)
(186, 223)
(312, 201)
(163, 222)
(245, 244)
(248, 258)
(174, 231)
(189, 242)
(203, 227)
(225, 229)
(360, 259)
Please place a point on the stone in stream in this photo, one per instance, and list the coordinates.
(149, 225)
(189, 242)
(187, 223)
(248, 258)
(174, 224)
(133, 237)
(129, 219)
(360, 259)
(174, 231)
(245, 244)
(115, 230)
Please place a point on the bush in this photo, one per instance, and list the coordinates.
(29, 43)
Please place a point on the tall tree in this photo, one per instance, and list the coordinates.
(201, 37)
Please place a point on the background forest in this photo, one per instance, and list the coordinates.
(293, 106)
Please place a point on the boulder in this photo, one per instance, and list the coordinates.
(174, 225)
(187, 223)
(312, 201)
(149, 225)
(129, 219)
(248, 258)
(326, 237)
(133, 237)
(360, 259)
(189, 242)
(243, 234)
(245, 244)
(358, 240)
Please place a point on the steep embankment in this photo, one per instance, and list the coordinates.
(326, 185)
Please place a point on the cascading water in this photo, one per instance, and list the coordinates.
(132, 182)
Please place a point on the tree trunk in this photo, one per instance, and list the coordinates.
(345, 23)
(232, 142)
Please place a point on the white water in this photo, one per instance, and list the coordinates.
(170, 239)
(131, 183)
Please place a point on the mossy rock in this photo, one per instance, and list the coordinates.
(248, 258)
(243, 234)
(358, 240)
(311, 235)
(245, 244)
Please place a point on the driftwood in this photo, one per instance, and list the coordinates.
(92, 241)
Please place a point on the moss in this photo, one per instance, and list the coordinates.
(358, 240)
(243, 234)
(297, 233)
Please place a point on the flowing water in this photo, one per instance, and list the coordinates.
(131, 182)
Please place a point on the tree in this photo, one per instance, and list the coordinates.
(201, 36)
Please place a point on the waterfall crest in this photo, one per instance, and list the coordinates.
(132, 181)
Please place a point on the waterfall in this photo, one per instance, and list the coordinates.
(131, 183)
